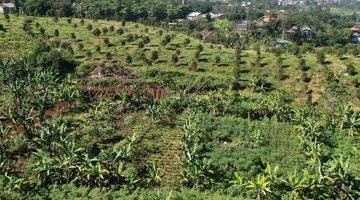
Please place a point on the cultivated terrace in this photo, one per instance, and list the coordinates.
(111, 100)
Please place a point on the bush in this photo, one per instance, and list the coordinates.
(88, 53)
(97, 48)
(42, 31)
(154, 55)
(56, 33)
(106, 41)
(112, 28)
(122, 42)
(174, 59)
(130, 37)
(200, 48)
(80, 46)
(97, 32)
(82, 22)
(73, 36)
(120, 31)
(75, 25)
(108, 56)
(166, 40)
(89, 27)
(2, 28)
(69, 20)
(146, 39)
(27, 27)
(186, 42)
(320, 56)
(128, 59)
(105, 30)
(141, 44)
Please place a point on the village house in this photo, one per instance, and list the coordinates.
(264, 20)
(193, 15)
(241, 26)
(6, 7)
(282, 43)
(355, 34)
(214, 15)
(305, 32)
(197, 15)
(172, 25)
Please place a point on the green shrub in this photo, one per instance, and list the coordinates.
(112, 28)
(89, 27)
(73, 36)
(97, 32)
(56, 33)
(97, 48)
(120, 31)
(105, 30)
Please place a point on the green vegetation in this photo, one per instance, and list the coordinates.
(99, 109)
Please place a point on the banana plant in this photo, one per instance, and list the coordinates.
(342, 115)
(238, 180)
(100, 175)
(297, 185)
(343, 183)
(354, 123)
(4, 131)
(155, 174)
(10, 183)
(261, 186)
(44, 168)
(53, 136)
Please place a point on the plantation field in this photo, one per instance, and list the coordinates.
(238, 115)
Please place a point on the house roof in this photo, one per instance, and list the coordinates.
(241, 25)
(215, 15)
(9, 5)
(266, 18)
(281, 41)
(355, 28)
(355, 39)
(194, 14)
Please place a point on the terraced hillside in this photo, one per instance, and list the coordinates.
(173, 111)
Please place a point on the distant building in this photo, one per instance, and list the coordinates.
(197, 15)
(282, 43)
(193, 15)
(204, 34)
(241, 26)
(172, 25)
(214, 15)
(295, 33)
(6, 7)
(307, 32)
(265, 19)
(355, 34)
(246, 4)
(355, 29)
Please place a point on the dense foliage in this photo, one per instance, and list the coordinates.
(101, 109)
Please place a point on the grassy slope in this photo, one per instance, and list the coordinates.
(282, 142)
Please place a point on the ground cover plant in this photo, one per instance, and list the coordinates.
(118, 110)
